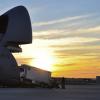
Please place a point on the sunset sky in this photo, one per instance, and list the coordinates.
(66, 36)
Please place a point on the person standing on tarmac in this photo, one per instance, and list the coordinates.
(63, 83)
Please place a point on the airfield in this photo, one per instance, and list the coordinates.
(72, 92)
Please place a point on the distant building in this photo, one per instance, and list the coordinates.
(75, 81)
(97, 79)
(34, 74)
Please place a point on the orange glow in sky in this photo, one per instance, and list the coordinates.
(61, 60)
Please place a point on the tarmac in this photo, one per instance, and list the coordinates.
(72, 92)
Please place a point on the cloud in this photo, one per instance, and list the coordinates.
(75, 47)
(64, 33)
(65, 65)
(60, 20)
(89, 30)
(24, 60)
(76, 26)
(67, 40)
(81, 53)
(50, 36)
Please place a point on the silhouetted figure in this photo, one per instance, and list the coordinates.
(63, 83)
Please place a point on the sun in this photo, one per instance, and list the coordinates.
(42, 59)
